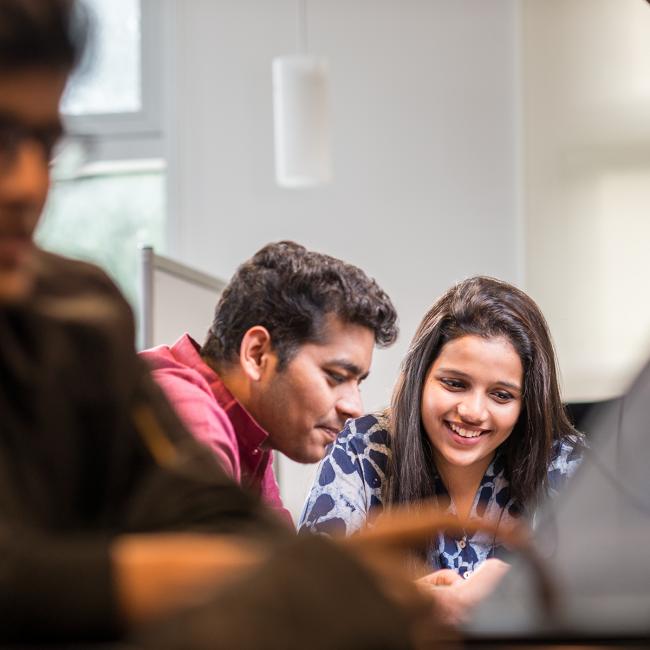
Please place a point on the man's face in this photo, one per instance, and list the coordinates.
(305, 405)
(29, 126)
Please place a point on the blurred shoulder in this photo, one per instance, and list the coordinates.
(80, 299)
(61, 276)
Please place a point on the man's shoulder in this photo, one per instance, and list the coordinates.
(165, 358)
(180, 370)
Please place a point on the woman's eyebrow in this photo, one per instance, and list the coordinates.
(508, 384)
(464, 375)
(453, 371)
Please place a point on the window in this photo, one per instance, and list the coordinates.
(108, 191)
(109, 81)
(114, 100)
(102, 215)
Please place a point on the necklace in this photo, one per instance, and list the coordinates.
(459, 560)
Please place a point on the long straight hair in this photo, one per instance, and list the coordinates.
(486, 307)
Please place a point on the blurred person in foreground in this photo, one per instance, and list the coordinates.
(291, 342)
(111, 515)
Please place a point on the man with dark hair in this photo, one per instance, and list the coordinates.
(99, 481)
(291, 341)
(290, 291)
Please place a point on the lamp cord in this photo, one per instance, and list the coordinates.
(301, 26)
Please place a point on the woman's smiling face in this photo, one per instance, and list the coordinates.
(471, 400)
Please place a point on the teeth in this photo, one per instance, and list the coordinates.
(464, 433)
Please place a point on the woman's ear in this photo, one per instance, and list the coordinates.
(255, 352)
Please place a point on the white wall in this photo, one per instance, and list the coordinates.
(423, 96)
(586, 82)
(424, 144)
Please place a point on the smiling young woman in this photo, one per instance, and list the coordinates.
(476, 423)
(471, 401)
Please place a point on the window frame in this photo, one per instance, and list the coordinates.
(133, 134)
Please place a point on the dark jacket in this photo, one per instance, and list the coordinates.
(76, 470)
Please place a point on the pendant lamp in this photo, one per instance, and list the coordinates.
(301, 115)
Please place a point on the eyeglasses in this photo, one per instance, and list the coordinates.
(66, 156)
(13, 135)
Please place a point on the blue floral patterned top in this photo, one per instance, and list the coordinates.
(350, 479)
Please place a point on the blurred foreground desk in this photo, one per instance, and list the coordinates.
(564, 644)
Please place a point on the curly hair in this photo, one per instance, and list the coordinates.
(37, 33)
(290, 291)
(486, 307)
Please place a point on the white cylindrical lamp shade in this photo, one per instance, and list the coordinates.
(301, 120)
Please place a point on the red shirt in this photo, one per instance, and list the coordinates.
(215, 417)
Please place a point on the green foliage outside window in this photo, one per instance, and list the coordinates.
(103, 219)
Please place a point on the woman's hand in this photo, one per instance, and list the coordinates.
(454, 597)
(440, 578)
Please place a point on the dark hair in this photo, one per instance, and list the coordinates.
(42, 33)
(290, 291)
(483, 307)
